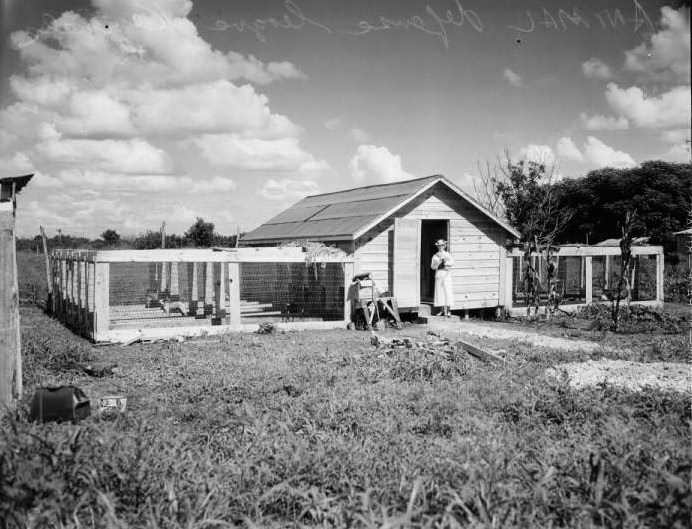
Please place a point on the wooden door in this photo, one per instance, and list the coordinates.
(406, 257)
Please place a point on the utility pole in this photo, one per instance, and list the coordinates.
(10, 339)
(163, 234)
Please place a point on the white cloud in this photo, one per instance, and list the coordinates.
(373, 164)
(232, 150)
(679, 136)
(677, 153)
(210, 107)
(287, 190)
(665, 56)
(596, 69)
(542, 154)
(145, 42)
(126, 183)
(120, 156)
(602, 155)
(118, 100)
(668, 110)
(15, 164)
(594, 153)
(332, 123)
(599, 122)
(513, 78)
(566, 148)
(217, 184)
(358, 135)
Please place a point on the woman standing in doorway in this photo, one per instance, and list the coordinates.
(442, 262)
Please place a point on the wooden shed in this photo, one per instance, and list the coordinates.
(390, 230)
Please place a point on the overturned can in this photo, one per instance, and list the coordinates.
(63, 403)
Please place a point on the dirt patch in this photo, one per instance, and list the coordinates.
(631, 375)
(497, 331)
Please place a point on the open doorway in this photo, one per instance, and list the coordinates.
(430, 231)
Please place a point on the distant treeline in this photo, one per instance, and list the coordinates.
(659, 192)
(200, 235)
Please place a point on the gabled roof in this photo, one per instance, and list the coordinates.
(346, 215)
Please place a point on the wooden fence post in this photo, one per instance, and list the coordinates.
(209, 288)
(101, 299)
(588, 279)
(10, 336)
(234, 293)
(49, 282)
(10, 383)
(348, 276)
(660, 294)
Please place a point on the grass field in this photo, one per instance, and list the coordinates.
(321, 429)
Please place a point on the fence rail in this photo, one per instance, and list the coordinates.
(118, 295)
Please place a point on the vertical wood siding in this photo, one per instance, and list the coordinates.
(476, 243)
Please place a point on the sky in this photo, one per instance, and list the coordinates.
(135, 112)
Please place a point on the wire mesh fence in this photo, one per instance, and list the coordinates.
(102, 293)
(292, 291)
(604, 277)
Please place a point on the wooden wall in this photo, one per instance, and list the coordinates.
(476, 243)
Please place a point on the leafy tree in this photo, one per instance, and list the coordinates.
(523, 192)
(200, 233)
(660, 192)
(110, 237)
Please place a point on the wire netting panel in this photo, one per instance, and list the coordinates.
(162, 294)
(644, 278)
(571, 279)
(291, 292)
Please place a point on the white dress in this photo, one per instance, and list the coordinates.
(443, 279)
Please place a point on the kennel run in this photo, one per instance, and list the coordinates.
(588, 274)
(123, 295)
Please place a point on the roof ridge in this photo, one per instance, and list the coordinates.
(376, 185)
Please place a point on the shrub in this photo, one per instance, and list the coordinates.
(634, 318)
(677, 284)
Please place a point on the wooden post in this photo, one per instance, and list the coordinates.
(221, 294)
(175, 288)
(194, 288)
(348, 276)
(10, 336)
(209, 289)
(234, 293)
(10, 368)
(49, 283)
(606, 282)
(164, 278)
(588, 279)
(101, 299)
(501, 294)
(509, 278)
(659, 278)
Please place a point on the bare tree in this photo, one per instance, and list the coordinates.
(523, 192)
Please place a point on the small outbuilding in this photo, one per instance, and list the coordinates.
(390, 230)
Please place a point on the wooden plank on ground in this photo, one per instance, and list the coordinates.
(481, 354)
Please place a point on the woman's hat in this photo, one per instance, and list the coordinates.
(440, 242)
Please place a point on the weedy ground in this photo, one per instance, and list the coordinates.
(320, 429)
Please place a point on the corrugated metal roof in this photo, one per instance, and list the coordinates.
(342, 214)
